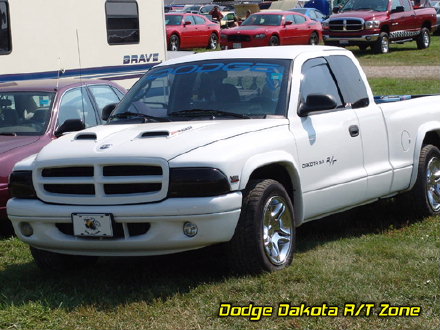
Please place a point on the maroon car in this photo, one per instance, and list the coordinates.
(32, 113)
(191, 31)
(273, 29)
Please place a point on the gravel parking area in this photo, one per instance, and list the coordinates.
(424, 72)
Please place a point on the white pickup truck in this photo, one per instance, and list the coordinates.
(237, 147)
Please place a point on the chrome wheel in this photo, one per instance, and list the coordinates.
(426, 39)
(174, 43)
(277, 230)
(213, 41)
(385, 44)
(433, 183)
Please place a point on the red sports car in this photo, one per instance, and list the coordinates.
(273, 29)
(191, 31)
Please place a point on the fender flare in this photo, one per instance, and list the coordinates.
(284, 159)
(432, 126)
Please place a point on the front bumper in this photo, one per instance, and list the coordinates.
(224, 44)
(4, 196)
(216, 219)
(345, 39)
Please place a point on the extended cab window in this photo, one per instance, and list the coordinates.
(318, 79)
(351, 85)
(5, 33)
(122, 22)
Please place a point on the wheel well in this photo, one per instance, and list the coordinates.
(275, 172)
(427, 24)
(432, 138)
(385, 28)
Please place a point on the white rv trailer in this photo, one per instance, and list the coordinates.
(108, 39)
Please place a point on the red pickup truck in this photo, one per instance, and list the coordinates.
(377, 23)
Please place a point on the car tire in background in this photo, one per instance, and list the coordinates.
(314, 38)
(382, 44)
(174, 43)
(423, 39)
(213, 41)
(274, 41)
(264, 239)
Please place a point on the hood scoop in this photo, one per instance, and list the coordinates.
(153, 134)
(86, 136)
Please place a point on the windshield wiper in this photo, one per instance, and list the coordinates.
(201, 112)
(8, 133)
(129, 114)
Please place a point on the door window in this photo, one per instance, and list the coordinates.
(103, 96)
(199, 20)
(76, 104)
(318, 79)
(299, 19)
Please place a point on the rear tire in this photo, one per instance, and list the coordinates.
(382, 44)
(213, 41)
(264, 239)
(174, 43)
(424, 197)
(424, 39)
(274, 41)
(51, 261)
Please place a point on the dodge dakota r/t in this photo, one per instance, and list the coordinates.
(235, 147)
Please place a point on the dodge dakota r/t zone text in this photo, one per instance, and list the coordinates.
(236, 147)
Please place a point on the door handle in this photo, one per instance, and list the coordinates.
(354, 130)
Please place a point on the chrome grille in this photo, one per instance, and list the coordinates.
(103, 183)
(346, 24)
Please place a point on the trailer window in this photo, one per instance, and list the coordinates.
(122, 22)
(5, 33)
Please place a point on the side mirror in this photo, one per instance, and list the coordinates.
(288, 23)
(187, 23)
(317, 102)
(335, 10)
(107, 111)
(70, 125)
(398, 9)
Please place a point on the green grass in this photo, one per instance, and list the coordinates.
(406, 54)
(373, 254)
(392, 86)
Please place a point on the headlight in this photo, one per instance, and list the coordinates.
(21, 185)
(260, 36)
(224, 36)
(197, 182)
(372, 24)
(325, 24)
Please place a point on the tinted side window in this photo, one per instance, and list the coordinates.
(103, 96)
(318, 79)
(190, 18)
(299, 19)
(289, 18)
(5, 33)
(199, 20)
(122, 22)
(76, 104)
(406, 5)
(349, 80)
(395, 4)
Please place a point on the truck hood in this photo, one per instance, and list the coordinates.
(8, 143)
(165, 140)
(365, 14)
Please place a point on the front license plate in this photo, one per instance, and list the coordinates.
(343, 42)
(92, 224)
(236, 45)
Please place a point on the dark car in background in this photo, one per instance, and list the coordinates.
(191, 31)
(33, 113)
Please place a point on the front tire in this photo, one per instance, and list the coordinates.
(424, 39)
(51, 261)
(264, 239)
(382, 44)
(274, 41)
(174, 43)
(425, 195)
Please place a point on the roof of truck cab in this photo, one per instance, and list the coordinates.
(280, 52)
